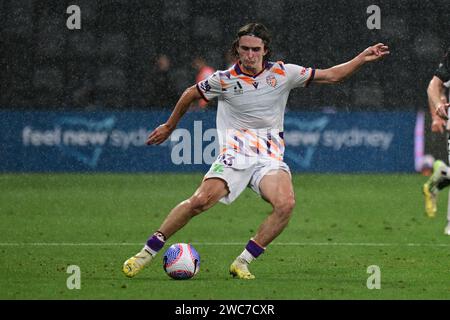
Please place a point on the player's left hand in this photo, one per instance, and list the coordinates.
(375, 52)
(442, 110)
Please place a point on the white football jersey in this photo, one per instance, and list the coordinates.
(250, 112)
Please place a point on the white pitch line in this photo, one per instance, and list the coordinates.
(305, 244)
(55, 244)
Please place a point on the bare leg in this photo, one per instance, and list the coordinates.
(207, 195)
(277, 189)
(209, 192)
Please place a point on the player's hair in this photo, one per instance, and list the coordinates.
(253, 29)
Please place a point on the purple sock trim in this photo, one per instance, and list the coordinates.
(254, 249)
(154, 243)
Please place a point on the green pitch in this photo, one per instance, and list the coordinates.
(342, 225)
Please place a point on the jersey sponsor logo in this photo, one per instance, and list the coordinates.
(255, 84)
(271, 80)
(238, 88)
(205, 86)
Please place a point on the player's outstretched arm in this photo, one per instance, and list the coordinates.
(438, 104)
(162, 132)
(343, 71)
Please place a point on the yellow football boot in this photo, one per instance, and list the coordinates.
(132, 266)
(430, 201)
(240, 270)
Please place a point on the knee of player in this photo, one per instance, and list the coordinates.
(199, 202)
(284, 206)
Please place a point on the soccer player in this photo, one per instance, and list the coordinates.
(438, 103)
(252, 97)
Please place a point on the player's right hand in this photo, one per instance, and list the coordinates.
(441, 110)
(438, 125)
(159, 135)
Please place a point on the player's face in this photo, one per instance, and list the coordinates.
(251, 53)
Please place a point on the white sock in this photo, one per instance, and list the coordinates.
(448, 208)
(246, 256)
(152, 252)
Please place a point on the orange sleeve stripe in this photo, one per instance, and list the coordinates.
(279, 71)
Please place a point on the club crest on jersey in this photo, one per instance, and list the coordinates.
(271, 80)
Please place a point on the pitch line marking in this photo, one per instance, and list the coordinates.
(305, 244)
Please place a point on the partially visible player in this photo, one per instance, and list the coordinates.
(438, 102)
(426, 166)
(252, 98)
(203, 72)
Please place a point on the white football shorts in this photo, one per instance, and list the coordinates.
(249, 176)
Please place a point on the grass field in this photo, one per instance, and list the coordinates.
(342, 225)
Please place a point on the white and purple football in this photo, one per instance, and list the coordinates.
(181, 261)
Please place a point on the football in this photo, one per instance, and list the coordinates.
(181, 261)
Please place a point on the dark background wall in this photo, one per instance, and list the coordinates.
(109, 63)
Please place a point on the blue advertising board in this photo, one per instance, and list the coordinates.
(115, 142)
